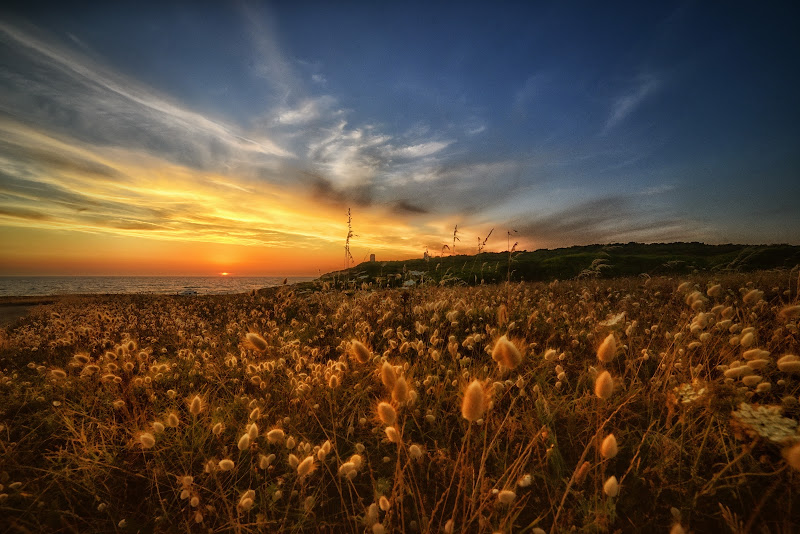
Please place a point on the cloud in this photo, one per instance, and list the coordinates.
(608, 219)
(308, 110)
(50, 86)
(645, 86)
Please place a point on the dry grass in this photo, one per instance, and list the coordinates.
(352, 413)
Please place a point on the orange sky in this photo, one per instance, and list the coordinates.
(116, 211)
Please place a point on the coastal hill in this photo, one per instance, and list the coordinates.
(606, 261)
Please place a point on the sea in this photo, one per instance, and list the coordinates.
(19, 286)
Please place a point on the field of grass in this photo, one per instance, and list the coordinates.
(640, 404)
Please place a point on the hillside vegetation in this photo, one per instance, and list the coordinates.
(606, 261)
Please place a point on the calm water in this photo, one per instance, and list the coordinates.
(204, 285)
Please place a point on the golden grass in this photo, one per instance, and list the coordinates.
(632, 405)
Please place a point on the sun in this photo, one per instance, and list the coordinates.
(224, 274)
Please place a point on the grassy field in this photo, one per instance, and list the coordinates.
(639, 404)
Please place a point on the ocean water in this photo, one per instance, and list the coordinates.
(17, 286)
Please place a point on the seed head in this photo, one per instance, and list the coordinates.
(226, 465)
(792, 456)
(147, 440)
(506, 497)
(603, 385)
(607, 349)
(506, 354)
(358, 351)
(400, 391)
(275, 435)
(608, 449)
(244, 442)
(474, 403)
(305, 467)
(386, 413)
(611, 487)
(196, 405)
(256, 341)
(388, 376)
(392, 434)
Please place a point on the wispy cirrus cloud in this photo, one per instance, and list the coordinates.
(641, 89)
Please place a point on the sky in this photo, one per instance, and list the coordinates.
(197, 138)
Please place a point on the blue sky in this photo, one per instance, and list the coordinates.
(571, 122)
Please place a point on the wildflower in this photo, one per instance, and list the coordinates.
(244, 442)
(226, 465)
(384, 503)
(766, 422)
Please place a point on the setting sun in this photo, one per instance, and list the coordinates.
(224, 274)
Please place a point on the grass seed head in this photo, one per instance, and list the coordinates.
(196, 405)
(256, 341)
(611, 487)
(607, 349)
(604, 385)
(392, 434)
(792, 456)
(359, 351)
(608, 449)
(305, 467)
(400, 393)
(474, 403)
(386, 413)
(275, 435)
(506, 497)
(146, 440)
(506, 354)
(388, 376)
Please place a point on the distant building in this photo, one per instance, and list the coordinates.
(372, 258)
(426, 256)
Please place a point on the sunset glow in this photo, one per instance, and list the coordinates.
(122, 153)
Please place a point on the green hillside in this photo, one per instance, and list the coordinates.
(604, 261)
